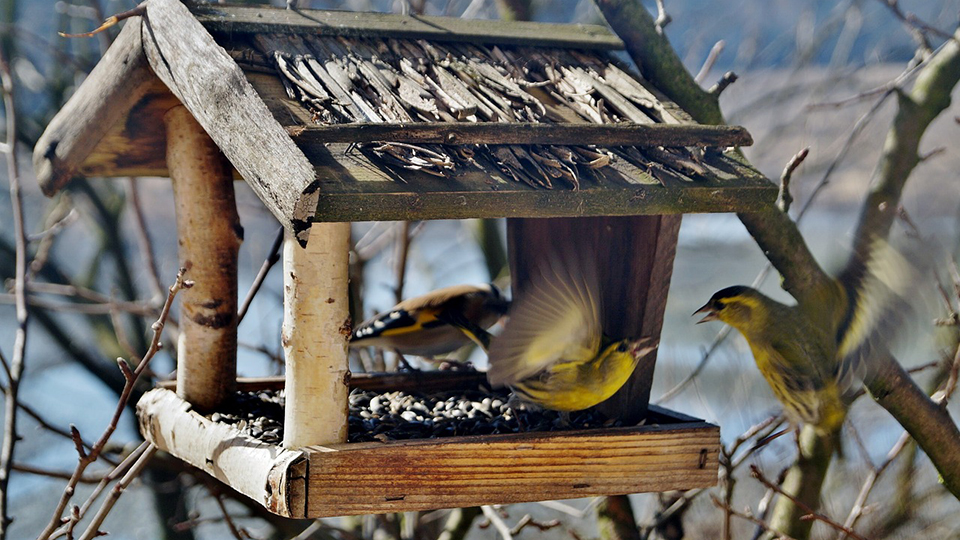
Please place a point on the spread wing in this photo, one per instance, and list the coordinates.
(557, 319)
(879, 284)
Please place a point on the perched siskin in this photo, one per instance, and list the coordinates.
(813, 355)
(436, 323)
(553, 353)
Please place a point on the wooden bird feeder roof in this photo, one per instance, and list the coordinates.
(339, 117)
(336, 116)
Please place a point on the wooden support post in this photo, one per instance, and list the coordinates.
(209, 236)
(316, 327)
(635, 256)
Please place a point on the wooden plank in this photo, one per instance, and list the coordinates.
(120, 80)
(400, 476)
(667, 135)
(209, 236)
(351, 189)
(260, 19)
(259, 470)
(316, 328)
(361, 478)
(214, 89)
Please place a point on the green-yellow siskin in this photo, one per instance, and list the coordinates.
(552, 352)
(813, 355)
(438, 322)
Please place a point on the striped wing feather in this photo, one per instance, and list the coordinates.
(556, 320)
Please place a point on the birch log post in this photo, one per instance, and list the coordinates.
(209, 236)
(316, 328)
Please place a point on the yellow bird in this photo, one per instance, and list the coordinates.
(436, 323)
(813, 355)
(553, 353)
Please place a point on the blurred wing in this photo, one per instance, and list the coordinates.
(556, 320)
(878, 285)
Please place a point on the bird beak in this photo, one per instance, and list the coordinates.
(643, 347)
(711, 313)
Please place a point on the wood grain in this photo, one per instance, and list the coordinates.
(315, 332)
(87, 134)
(214, 89)
(668, 135)
(240, 19)
(400, 476)
(363, 478)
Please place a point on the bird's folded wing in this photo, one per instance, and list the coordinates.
(557, 319)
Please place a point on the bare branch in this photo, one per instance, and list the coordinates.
(811, 513)
(143, 239)
(10, 435)
(663, 18)
(138, 11)
(725, 81)
(915, 26)
(93, 529)
(784, 199)
(749, 517)
(87, 458)
(497, 522)
(710, 61)
(272, 257)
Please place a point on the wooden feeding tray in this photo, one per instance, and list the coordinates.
(335, 117)
(670, 451)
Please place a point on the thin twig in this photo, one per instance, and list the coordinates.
(725, 81)
(86, 309)
(143, 239)
(130, 378)
(915, 24)
(858, 505)
(402, 252)
(663, 18)
(10, 435)
(237, 532)
(39, 471)
(117, 471)
(272, 257)
(497, 522)
(710, 61)
(528, 521)
(110, 21)
(811, 513)
(93, 529)
(784, 198)
(749, 517)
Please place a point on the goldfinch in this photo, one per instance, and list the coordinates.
(553, 353)
(813, 355)
(436, 323)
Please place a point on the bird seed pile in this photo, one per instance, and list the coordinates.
(408, 415)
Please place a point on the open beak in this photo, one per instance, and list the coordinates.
(711, 314)
(643, 347)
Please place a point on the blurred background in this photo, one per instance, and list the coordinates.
(799, 62)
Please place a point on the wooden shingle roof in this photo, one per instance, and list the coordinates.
(335, 116)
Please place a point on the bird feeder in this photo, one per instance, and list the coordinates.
(335, 117)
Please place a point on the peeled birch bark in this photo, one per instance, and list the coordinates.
(316, 328)
(209, 236)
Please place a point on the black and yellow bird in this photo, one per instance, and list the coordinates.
(814, 354)
(436, 323)
(553, 352)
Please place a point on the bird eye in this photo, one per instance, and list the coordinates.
(622, 347)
